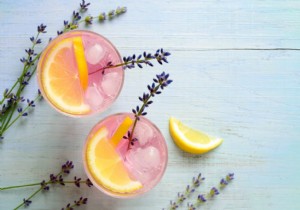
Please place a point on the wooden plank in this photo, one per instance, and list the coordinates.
(178, 25)
(235, 96)
(225, 83)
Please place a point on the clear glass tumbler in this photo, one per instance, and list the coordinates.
(72, 76)
(121, 169)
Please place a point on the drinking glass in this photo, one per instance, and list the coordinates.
(73, 75)
(121, 169)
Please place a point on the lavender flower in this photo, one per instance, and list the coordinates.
(198, 180)
(102, 17)
(173, 205)
(191, 206)
(67, 167)
(214, 191)
(80, 202)
(41, 28)
(223, 182)
(26, 202)
(181, 197)
(77, 181)
(88, 183)
(201, 198)
(44, 185)
(229, 177)
(88, 20)
(84, 6)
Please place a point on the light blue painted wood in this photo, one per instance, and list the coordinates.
(224, 84)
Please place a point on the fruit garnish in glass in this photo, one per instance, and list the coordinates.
(70, 77)
(122, 170)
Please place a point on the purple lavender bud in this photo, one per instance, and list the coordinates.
(26, 202)
(39, 41)
(230, 177)
(214, 191)
(191, 207)
(41, 28)
(77, 181)
(223, 182)
(89, 183)
(67, 167)
(201, 198)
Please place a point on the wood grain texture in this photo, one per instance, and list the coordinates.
(235, 66)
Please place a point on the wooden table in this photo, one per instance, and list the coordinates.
(235, 66)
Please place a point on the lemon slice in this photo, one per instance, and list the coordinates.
(60, 80)
(106, 165)
(121, 131)
(81, 61)
(191, 140)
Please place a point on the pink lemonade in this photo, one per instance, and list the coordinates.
(71, 76)
(120, 171)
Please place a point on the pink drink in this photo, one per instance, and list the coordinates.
(145, 161)
(103, 87)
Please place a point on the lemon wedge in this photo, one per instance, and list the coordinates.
(191, 140)
(81, 61)
(121, 131)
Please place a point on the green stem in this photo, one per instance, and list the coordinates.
(121, 64)
(35, 184)
(25, 69)
(19, 115)
(6, 118)
(19, 186)
(5, 121)
(21, 204)
(36, 192)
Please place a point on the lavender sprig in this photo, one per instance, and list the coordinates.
(12, 97)
(214, 191)
(112, 14)
(53, 179)
(9, 104)
(181, 197)
(159, 83)
(22, 112)
(145, 58)
(88, 20)
(79, 202)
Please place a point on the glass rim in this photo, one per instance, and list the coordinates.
(39, 69)
(116, 194)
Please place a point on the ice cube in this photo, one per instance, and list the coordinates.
(143, 133)
(94, 54)
(151, 157)
(93, 96)
(143, 163)
(111, 83)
